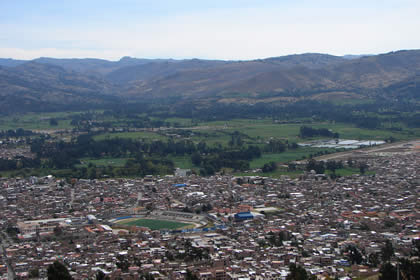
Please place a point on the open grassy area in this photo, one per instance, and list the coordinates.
(211, 136)
(287, 156)
(155, 224)
(265, 129)
(259, 130)
(117, 162)
(351, 132)
(252, 132)
(180, 121)
(59, 173)
(130, 135)
(32, 121)
(183, 162)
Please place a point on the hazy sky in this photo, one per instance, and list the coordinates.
(214, 29)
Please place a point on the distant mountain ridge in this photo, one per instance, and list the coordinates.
(59, 82)
(9, 62)
(34, 86)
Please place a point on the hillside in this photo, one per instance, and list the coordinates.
(35, 86)
(259, 79)
(46, 82)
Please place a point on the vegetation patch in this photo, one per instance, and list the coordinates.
(289, 155)
(130, 135)
(183, 162)
(117, 162)
(155, 224)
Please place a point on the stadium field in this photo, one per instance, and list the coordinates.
(154, 224)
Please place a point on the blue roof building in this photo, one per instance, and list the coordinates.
(241, 216)
(180, 185)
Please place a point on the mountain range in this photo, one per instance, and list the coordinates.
(45, 83)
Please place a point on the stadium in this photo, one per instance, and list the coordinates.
(164, 221)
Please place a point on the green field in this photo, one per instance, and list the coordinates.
(258, 130)
(183, 162)
(154, 224)
(180, 121)
(265, 128)
(212, 137)
(34, 121)
(117, 162)
(287, 156)
(218, 134)
(130, 135)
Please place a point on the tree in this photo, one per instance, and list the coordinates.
(390, 139)
(100, 275)
(354, 255)
(306, 132)
(196, 159)
(33, 273)
(269, 167)
(299, 273)
(409, 270)
(387, 251)
(334, 165)
(276, 240)
(58, 271)
(235, 140)
(122, 263)
(275, 146)
(291, 166)
(190, 276)
(416, 247)
(363, 167)
(293, 146)
(53, 122)
(388, 272)
(373, 259)
(318, 166)
(58, 231)
(146, 276)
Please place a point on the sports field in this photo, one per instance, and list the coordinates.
(154, 224)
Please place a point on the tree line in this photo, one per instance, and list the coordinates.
(146, 157)
(16, 133)
(309, 132)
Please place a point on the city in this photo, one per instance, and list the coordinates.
(311, 221)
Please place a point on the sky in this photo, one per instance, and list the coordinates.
(207, 29)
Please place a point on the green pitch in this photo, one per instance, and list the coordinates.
(155, 224)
